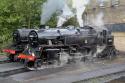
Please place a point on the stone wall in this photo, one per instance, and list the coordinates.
(119, 41)
(112, 14)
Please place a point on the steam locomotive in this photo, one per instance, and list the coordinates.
(59, 46)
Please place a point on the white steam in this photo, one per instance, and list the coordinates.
(49, 8)
(52, 6)
(99, 21)
(80, 7)
(66, 14)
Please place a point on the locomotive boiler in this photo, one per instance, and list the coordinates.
(62, 45)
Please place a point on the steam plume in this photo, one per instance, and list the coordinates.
(66, 14)
(52, 6)
(80, 7)
(49, 8)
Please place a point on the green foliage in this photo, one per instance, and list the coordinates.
(53, 21)
(15, 13)
(71, 21)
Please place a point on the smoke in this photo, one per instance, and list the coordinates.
(49, 8)
(98, 20)
(66, 14)
(80, 7)
(52, 6)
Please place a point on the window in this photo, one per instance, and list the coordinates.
(114, 3)
(101, 3)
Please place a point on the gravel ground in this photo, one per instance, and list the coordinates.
(105, 79)
(108, 78)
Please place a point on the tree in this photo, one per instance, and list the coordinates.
(15, 13)
(71, 21)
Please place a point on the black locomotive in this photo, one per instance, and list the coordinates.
(62, 45)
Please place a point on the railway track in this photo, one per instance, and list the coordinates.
(8, 69)
(16, 71)
(3, 59)
(12, 72)
(65, 75)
